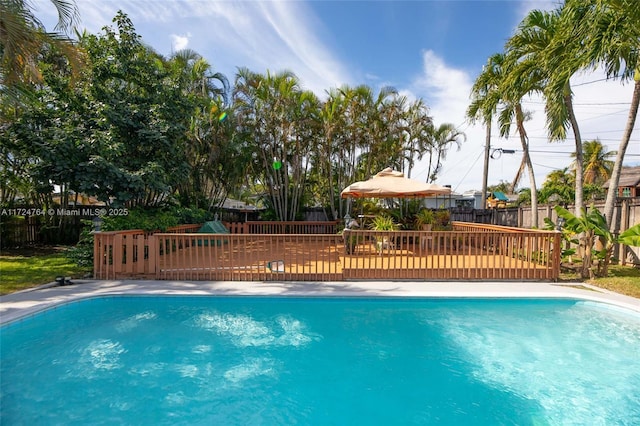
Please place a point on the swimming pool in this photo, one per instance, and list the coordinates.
(266, 360)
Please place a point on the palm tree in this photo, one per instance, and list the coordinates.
(331, 116)
(513, 86)
(597, 166)
(500, 86)
(273, 114)
(358, 109)
(419, 131)
(609, 31)
(380, 150)
(209, 139)
(531, 72)
(393, 133)
(195, 74)
(443, 137)
(22, 37)
(559, 184)
(546, 65)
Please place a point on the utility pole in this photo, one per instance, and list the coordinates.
(485, 176)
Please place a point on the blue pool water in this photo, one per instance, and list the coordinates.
(308, 361)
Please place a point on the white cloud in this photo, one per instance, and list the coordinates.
(180, 41)
(261, 36)
(446, 89)
(601, 108)
(295, 28)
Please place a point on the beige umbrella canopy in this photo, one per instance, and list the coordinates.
(392, 184)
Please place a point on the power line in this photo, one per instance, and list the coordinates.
(590, 82)
(604, 115)
(540, 151)
(581, 103)
(546, 138)
(546, 167)
(469, 171)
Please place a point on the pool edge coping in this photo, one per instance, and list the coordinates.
(20, 305)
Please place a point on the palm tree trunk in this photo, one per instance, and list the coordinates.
(516, 179)
(579, 197)
(617, 167)
(527, 158)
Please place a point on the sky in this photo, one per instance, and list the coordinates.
(428, 49)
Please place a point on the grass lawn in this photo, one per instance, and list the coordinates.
(625, 280)
(621, 279)
(21, 269)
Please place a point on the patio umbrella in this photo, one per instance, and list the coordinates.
(392, 184)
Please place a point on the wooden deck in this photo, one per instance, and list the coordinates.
(265, 260)
(398, 255)
(262, 258)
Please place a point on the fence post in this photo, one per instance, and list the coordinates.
(625, 208)
(152, 260)
(557, 254)
(96, 255)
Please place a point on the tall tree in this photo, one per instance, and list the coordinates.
(529, 71)
(139, 121)
(196, 77)
(330, 181)
(419, 133)
(211, 139)
(23, 37)
(443, 136)
(273, 112)
(559, 186)
(597, 165)
(535, 56)
(557, 51)
(609, 34)
(496, 89)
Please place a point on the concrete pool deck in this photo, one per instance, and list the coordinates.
(24, 303)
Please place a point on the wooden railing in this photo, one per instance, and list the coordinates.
(443, 255)
(468, 252)
(232, 257)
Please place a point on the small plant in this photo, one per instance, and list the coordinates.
(442, 217)
(567, 250)
(82, 253)
(425, 219)
(590, 227)
(384, 223)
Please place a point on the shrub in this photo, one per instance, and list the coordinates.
(82, 253)
(156, 219)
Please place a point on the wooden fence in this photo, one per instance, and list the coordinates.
(266, 227)
(470, 251)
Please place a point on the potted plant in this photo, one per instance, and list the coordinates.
(425, 219)
(384, 223)
(442, 220)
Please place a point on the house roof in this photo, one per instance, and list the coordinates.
(629, 176)
(231, 204)
(500, 196)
